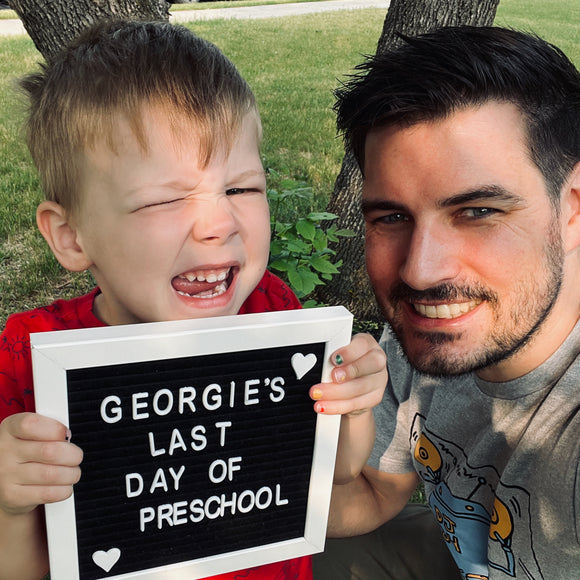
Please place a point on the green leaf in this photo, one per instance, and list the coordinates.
(276, 247)
(309, 280)
(331, 236)
(345, 233)
(298, 247)
(295, 281)
(280, 265)
(323, 266)
(306, 229)
(310, 304)
(320, 216)
(320, 242)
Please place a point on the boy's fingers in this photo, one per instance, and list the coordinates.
(359, 345)
(23, 498)
(35, 427)
(371, 363)
(356, 406)
(352, 392)
(53, 453)
(42, 494)
(37, 474)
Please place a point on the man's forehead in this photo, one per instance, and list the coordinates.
(490, 112)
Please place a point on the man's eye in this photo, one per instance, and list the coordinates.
(392, 218)
(479, 212)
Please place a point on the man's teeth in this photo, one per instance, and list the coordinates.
(213, 293)
(446, 310)
(210, 276)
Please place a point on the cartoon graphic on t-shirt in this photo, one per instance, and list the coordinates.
(475, 511)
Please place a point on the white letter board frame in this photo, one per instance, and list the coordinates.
(55, 353)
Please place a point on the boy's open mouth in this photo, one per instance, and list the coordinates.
(203, 283)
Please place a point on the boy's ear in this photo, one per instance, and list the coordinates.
(62, 237)
(572, 210)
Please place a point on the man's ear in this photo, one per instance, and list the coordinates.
(571, 210)
(62, 237)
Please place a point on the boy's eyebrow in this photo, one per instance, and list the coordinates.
(250, 173)
(481, 194)
(183, 185)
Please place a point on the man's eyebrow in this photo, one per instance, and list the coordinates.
(482, 194)
(368, 205)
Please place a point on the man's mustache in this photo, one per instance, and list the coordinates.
(401, 292)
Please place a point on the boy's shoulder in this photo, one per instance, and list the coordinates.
(270, 295)
(60, 315)
(16, 382)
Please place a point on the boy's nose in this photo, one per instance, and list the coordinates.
(432, 258)
(215, 221)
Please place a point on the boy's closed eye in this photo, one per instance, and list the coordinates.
(166, 202)
(241, 190)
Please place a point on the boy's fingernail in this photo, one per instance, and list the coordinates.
(68, 435)
(338, 359)
(316, 394)
(339, 376)
(319, 408)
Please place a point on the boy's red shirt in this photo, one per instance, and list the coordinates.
(17, 387)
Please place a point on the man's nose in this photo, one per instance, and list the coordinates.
(432, 258)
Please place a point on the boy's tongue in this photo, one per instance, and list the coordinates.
(196, 287)
(203, 283)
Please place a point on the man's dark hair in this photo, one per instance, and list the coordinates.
(431, 76)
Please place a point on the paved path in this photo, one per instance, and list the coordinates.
(276, 10)
(15, 27)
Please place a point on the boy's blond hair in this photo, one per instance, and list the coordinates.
(115, 69)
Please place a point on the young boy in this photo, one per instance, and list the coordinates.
(147, 142)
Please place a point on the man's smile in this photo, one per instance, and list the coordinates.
(446, 311)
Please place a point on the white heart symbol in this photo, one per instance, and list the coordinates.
(302, 364)
(106, 560)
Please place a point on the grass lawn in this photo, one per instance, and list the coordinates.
(292, 64)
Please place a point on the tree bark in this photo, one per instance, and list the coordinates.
(52, 24)
(352, 288)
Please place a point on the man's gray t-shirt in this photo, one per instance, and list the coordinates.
(500, 461)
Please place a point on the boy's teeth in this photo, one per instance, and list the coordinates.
(210, 276)
(217, 291)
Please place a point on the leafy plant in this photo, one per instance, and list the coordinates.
(299, 248)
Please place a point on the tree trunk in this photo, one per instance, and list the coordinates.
(352, 288)
(52, 24)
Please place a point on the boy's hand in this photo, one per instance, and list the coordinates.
(359, 379)
(38, 464)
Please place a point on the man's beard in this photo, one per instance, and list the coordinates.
(505, 337)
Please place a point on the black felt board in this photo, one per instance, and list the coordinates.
(274, 440)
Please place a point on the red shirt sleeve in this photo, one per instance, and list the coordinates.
(296, 569)
(16, 384)
(270, 295)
